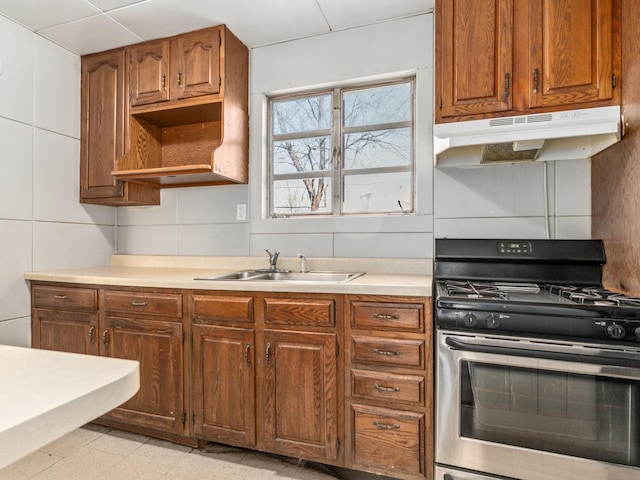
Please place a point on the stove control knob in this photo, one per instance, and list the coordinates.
(637, 332)
(470, 320)
(492, 321)
(616, 331)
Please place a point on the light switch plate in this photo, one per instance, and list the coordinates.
(241, 211)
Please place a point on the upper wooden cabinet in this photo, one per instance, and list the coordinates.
(171, 112)
(104, 133)
(184, 67)
(506, 57)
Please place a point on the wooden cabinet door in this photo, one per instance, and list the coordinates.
(157, 345)
(195, 64)
(65, 331)
(103, 126)
(300, 388)
(149, 72)
(571, 51)
(224, 384)
(474, 57)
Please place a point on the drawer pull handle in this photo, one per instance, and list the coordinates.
(105, 338)
(247, 349)
(382, 316)
(384, 426)
(386, 352)
(92, 332)
(382, 388)
(139, 304)
(60, 297)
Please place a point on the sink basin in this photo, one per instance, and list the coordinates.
(261, 275)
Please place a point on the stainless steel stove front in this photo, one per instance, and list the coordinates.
(529, 409)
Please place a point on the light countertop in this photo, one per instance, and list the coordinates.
(46, 394)
(411, 277)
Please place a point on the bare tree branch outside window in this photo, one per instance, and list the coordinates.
(375, 132)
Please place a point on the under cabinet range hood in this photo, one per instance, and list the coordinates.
(565, 135)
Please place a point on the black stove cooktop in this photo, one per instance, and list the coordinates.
(534, 287)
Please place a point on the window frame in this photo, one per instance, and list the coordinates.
(338, 172)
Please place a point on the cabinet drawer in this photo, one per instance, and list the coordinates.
(366, 384)
(388, 439)
(387, 351)
(165, 304)
(390, 316)
(207, 308)
(319, 312)
(65, 297)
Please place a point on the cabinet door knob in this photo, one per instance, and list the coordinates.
(164, 82)
(92, 332)
(535, 80)
(180, 79)
(105, 338)
(507, 85)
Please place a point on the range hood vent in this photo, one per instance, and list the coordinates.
(566, 135)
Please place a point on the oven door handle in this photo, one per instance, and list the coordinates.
(521, 352)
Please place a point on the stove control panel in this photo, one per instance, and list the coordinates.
(514, 248)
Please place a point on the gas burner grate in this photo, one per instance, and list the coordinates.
(492, 290)
(595, 295)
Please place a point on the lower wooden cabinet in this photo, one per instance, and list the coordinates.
(343, 380)
(223, 379)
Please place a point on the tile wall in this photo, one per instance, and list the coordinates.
(42, 225)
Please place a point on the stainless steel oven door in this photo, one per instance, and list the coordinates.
(537, 410)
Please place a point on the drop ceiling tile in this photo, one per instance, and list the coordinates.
(255, 23)
(39, 14)
(106, 5)
(343, 14)
(90, 35)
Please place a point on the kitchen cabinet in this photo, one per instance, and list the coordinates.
(281, 349)
(188, 116)
(511, 57)
(65, 319)
(223, 368)
(104, 133)
(142, 325)
(147, 326)
(389, 378)
(184, 67)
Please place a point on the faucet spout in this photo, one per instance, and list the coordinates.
(273, 259)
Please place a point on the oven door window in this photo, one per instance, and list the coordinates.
(585, 416)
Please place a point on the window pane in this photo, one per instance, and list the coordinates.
(378, 148)
(302, 155)
(302, 114)
(311, 195)
(378, 193)
(373, 106)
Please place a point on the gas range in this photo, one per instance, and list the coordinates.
(534, 287)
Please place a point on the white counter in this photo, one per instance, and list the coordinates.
(46, 394)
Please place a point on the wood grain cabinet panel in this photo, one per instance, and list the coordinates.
(65, 331)
(222, 308)
(516, 57)
(223, 380)
(388, 316)
(149, 72)
(310, 311)
(387, 351)
(371, 385)
(68, 298)
(147, 303)
(299, 397)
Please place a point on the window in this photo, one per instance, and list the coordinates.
(343, 151)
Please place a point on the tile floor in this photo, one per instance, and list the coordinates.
(94, 452)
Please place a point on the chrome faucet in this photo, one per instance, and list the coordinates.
(273, 259)
(303, 263)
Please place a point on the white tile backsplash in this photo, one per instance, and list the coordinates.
(211, 204)
(573, 187)
(573, 227)
(389, 245)
(290, 244)
(148, 239)
(222, 239)
(16, 160)
(164, 214)
(71, 245)
(491, 227)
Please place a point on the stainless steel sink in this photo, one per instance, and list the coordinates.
(261, 275)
